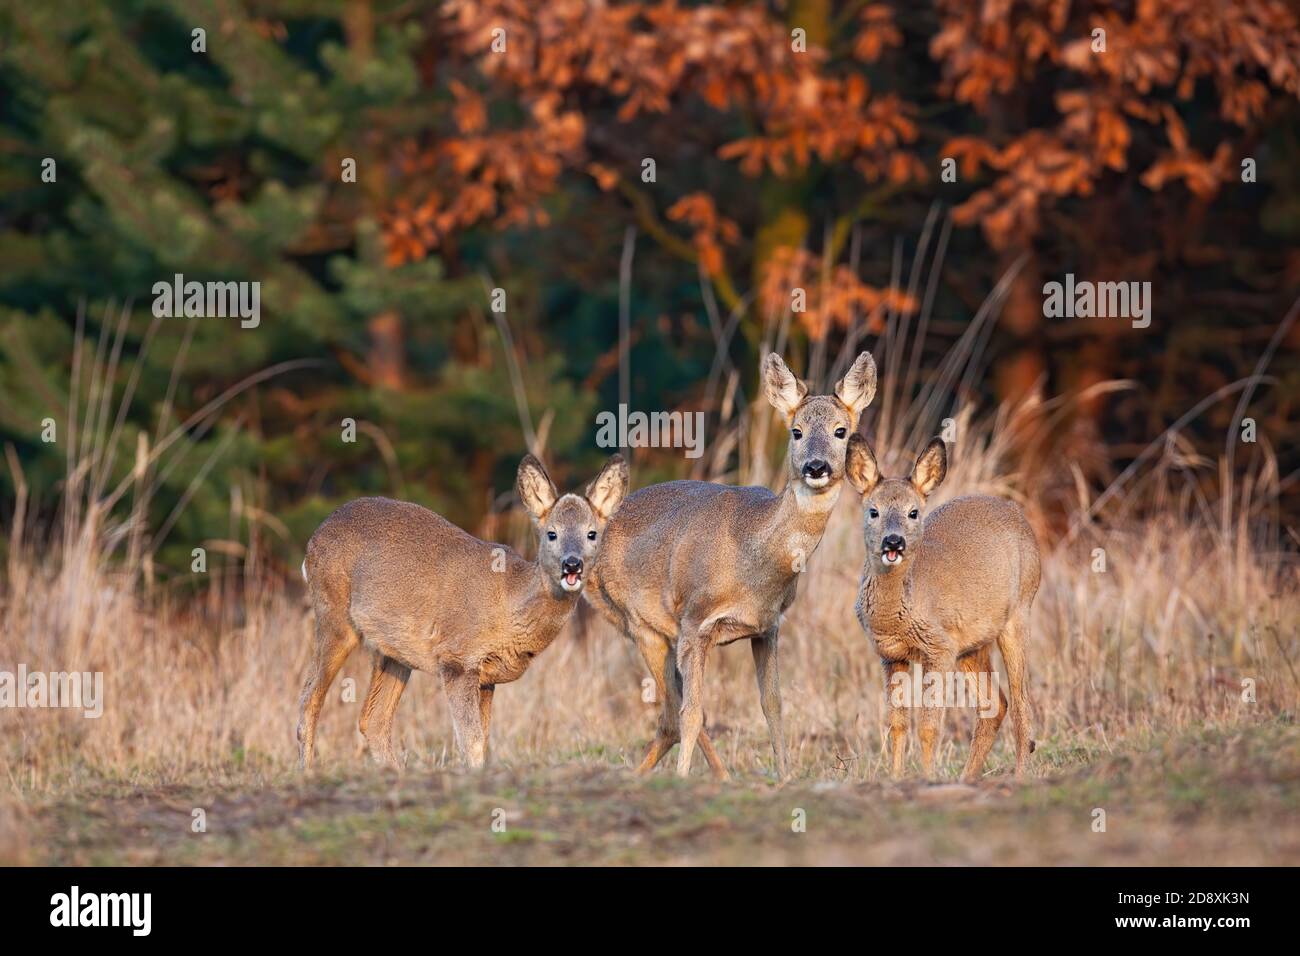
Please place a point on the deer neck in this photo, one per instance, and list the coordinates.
(796, 522)
(536, 609)
(885, 600)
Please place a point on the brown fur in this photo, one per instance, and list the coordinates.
(421, 594)
(967, 580)
(688, 565)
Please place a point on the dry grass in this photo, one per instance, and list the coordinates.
(1137, 709)
(1162, 640)
(1197, 597)
(1224, 797)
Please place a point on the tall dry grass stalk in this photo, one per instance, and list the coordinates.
(1189, 606)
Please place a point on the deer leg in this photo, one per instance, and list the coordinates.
(376, 665)
(980, 663)
(387, 681)
(1012, 645)
(944, 665)
(896, 709)
(464, 701)
(335, 640)
(769, 694)
(716, 766)
(692, 648)
(485, 713)
(654, 650)
(668, 689)
(655, 752)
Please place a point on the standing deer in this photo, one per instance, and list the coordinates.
(686, 566)
(421, 594)
(941, 590)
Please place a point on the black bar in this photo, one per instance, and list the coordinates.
(334, 905)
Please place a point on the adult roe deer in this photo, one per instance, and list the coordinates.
(421, 594)
(941, 589)
(689, 565)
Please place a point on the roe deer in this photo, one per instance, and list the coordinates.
(941, 589)
(689, 565)
(421, 594)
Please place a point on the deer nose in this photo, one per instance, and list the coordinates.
(571, 566)
(893, 542)
(816, 468)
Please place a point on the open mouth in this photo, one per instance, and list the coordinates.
(890, 557)
(571, 581)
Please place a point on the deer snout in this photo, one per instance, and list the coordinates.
(571, 573)
(892, 547)
(815, 468)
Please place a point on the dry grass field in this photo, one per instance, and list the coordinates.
(1137, 685)
(1164, 692)
(1200, 797)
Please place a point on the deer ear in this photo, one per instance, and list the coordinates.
(860, 465)
(931, 467)
(535, 489)
(782, 389)
(606, 491)
(858, 386)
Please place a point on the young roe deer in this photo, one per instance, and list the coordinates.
(421, 594)
(941, 589)
(689, 565)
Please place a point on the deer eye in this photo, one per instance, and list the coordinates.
(913, 514)
(840, 432)
(550, 535)
(873, 512)
(591, 536)
(797, 433)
